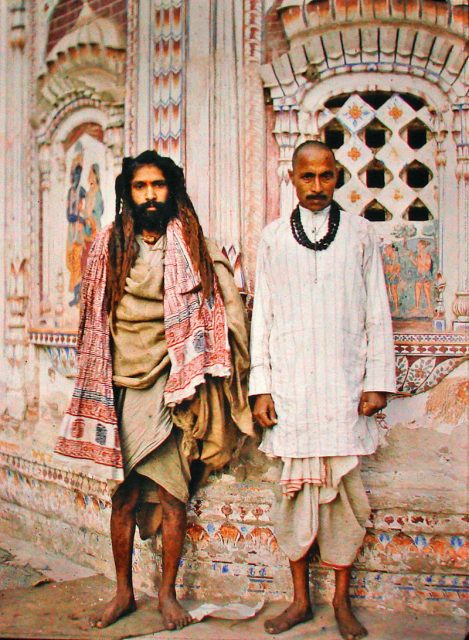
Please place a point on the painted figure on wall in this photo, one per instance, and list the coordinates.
(75, 210)
(94, 208)
(423, 262)
(85, 208)
(392, 273)
(410, 269)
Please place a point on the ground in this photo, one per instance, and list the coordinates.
(22, 565)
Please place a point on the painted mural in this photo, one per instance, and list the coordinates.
(77, 206)
(411, 272)
(84, 211)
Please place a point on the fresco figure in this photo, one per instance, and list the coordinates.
(162, 380)
(423, 262)
(76, 221)
(392, 275)
(322, 364)
(93, 212)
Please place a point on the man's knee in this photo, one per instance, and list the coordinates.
(170, 503)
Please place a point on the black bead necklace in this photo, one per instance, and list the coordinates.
(300, 234)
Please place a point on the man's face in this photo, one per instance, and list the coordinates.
(314, 177)
(152, 205)
(148, 185)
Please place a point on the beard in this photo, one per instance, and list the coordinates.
(156, 220)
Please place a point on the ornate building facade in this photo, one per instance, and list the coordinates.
(228, 89)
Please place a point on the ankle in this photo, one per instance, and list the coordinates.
(339, 602)
(302, 602)
(167, 592)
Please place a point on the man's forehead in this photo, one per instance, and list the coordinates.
(147, 172)
(316, 157)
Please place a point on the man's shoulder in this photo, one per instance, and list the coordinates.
(358, 225)
(274, 228)
(355, 220)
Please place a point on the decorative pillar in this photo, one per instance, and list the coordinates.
(286, 133)
(253, 218)
(131, 78)
(461, 301)
(17, 270)
(114, 137)
(44, 192)
(167, 53)
(439, 319)
(226, 108)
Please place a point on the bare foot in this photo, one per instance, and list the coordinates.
(174, 615)
(349, 627)
(293, 615)
(120, 606)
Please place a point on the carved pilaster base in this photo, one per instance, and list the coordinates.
(461, 311)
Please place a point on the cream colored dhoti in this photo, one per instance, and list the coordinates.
(321, 499)
(150, 443)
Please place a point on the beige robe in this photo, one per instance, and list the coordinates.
(212, 420)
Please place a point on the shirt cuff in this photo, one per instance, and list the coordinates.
(379, 383)
(260, 380)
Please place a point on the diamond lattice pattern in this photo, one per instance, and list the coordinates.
(392, 131)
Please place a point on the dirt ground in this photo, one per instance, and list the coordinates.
(46, 596)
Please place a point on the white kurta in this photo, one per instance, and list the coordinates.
(321, 335)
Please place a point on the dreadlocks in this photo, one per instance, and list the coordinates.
(123, 248)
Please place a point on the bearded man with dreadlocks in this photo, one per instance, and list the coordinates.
(163, 360)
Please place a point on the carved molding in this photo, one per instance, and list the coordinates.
(331, 50)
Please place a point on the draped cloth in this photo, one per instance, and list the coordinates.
(89, 430)
(323, 499)
(195, 328)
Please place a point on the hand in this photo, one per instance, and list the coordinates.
(264, 411)
(371, 402)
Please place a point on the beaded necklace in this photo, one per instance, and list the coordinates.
(300, 234)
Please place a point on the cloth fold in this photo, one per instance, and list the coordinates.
(306, 484)
(89, 428)
(196, 329)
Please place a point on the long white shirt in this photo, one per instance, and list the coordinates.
(321, 335)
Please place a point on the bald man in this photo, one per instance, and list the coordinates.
(322, 364)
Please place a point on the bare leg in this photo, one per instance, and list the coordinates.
(395, 297)
(300, 609)
(428, 296)
(349, 627)
(173, 533)
(123, 521)
(418, 293)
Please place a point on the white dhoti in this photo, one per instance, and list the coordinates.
(321, 499)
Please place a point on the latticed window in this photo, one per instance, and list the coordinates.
(385, 146)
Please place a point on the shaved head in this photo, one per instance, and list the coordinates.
(314, 174)
(310, 145)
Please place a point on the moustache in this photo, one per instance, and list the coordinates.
(316, 197)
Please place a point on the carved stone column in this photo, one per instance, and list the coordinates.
(16, 262)
(226, 100)
(253, 215)
(44, 192)
(461, 301)
(114, 137)
(286, 134)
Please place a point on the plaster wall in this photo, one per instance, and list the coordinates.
(416, 551)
